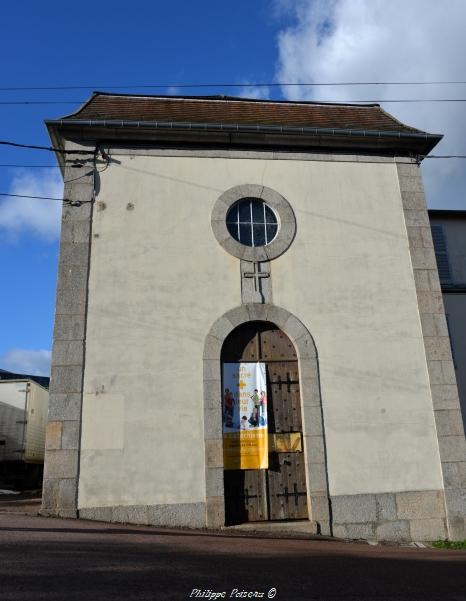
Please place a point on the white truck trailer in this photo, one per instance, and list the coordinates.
(23, 421)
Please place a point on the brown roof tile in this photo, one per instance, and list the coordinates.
(229, 110)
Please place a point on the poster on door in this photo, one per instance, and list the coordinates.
(245, 436)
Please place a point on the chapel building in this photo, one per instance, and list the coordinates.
(249, 322)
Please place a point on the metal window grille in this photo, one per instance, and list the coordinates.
(252, 222)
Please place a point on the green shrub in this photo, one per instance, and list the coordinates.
(447, 544)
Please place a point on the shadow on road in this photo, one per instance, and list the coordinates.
(103, 564)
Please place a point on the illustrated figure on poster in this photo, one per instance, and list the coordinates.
(254, 418)
(244, 423)
(229, 406)
(257, 403)
(263, 409)
(256, 398)
(263, 404)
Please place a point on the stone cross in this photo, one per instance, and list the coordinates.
(257, 275)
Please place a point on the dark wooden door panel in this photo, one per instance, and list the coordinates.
(287, 487)
(284, 399)
(283, 373)
(278, 493)
(275, 346)
(245, 496)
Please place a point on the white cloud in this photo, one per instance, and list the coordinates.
(376, 40)
(31, 215)
(252, 91)
(24, 361)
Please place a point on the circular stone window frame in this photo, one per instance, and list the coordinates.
(280, 206)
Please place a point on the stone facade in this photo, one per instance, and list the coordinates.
(446, 404)
(190, 515)
(61, 473)
(403, 516)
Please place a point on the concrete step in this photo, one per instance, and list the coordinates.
(291, 528)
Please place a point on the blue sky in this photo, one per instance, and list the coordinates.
(150, 42)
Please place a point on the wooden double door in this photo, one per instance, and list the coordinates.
(279, 492)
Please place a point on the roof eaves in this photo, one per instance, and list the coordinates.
(80, 108)
(422, 143)
(137, 123)
(414, 129)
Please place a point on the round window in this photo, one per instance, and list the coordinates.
(252, 222)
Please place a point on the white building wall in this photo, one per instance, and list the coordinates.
(37, 406)
(159, 279)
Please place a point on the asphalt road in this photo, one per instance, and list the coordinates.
(70, 560)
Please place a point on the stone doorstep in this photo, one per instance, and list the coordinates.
(292, 528)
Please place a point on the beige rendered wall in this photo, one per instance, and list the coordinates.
(159, 279)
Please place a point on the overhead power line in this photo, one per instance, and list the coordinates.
(446, 156)
(92, 152)
(33, 102)
(232, 85)
(353, 101)
(74, 202)
(49, 148)
(16, 166)
(37, 197)
(9, 166)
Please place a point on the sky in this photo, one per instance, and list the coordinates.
(173, 44)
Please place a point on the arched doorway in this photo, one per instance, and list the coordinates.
(278, 492)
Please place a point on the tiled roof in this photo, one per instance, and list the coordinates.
(228, 110)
